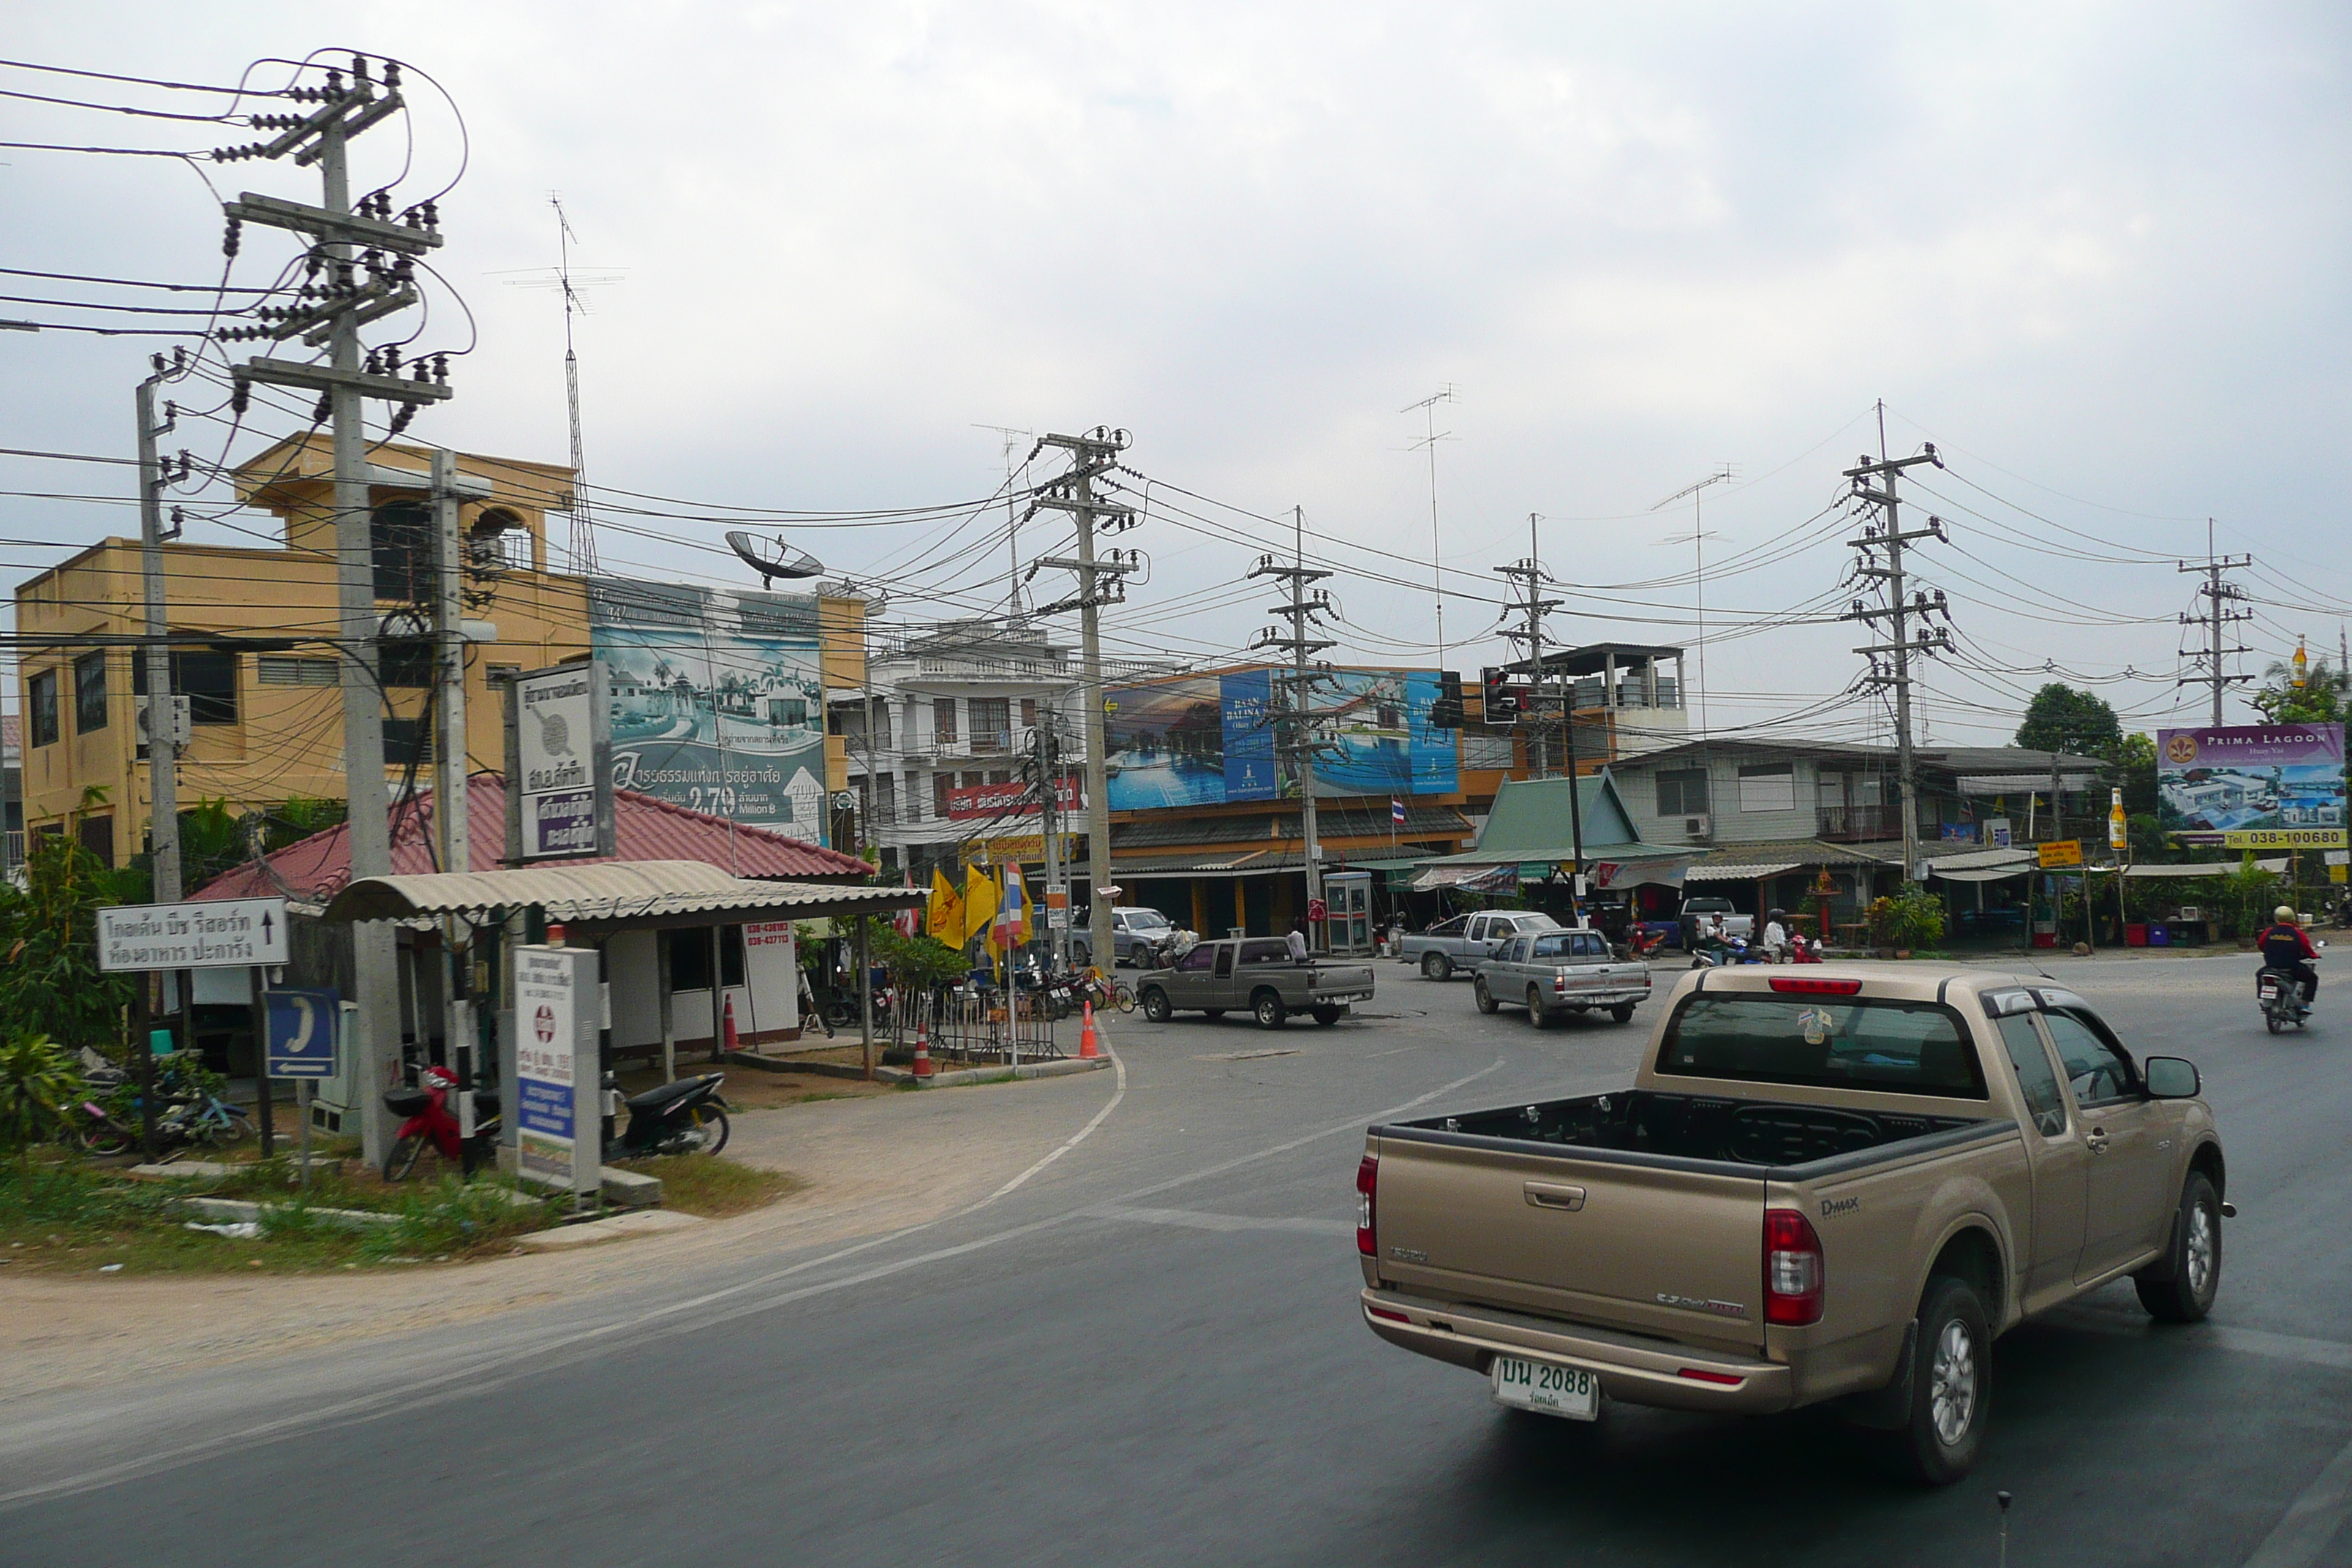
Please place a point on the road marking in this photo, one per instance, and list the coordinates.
(1083, 1134)
(2312, 1519)
(467, 1380)
(1194, 1219)
(1246, 1055)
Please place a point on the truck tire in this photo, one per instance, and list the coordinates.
(1536, 1014)
(1269, 1011)
(1436, 966)
(1951, 1385)
(1155, 1004)
(1485, 998)
(1622, 1012)
(2181, 1289)
(1329, 1013)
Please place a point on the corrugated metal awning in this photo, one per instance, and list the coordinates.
(2025, 784)
(1468, 879)
(1706, 873)
(641, 894)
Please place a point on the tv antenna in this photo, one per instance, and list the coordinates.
(1011, 438)
(583, 527)
(1427, 408)
(1696, 539)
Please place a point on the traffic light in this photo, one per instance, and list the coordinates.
(1446, 712)
(1502, 701)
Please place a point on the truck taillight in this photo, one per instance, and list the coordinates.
(1793, 1273)
(1368, 1179)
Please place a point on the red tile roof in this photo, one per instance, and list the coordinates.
(317, 867)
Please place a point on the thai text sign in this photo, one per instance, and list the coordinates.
(1013, 799)
(2252, 786)
(559, 1136)
(560, 762)
(2059, 852)
(209, 933)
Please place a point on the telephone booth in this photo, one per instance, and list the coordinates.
(1348, 930)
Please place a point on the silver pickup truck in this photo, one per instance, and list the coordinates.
(1555, 972)
(1462, 943)
(1256, 973)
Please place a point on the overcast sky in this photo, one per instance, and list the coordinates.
(2097, 252)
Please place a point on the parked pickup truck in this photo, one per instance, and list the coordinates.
(1706, 911)
(1555, 972)
(1464, 941)
(1255, 973)
(1838, 1186)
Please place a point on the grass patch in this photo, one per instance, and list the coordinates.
(713, 1188)
(65, 1219)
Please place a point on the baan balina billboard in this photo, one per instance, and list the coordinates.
(1209, 739)
(2252, 786)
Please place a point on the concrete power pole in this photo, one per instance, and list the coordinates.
(348, 241)
(163, 716)
(2216, 618)
(1298, 732)
(1101, 581)
(1530, 572)
(1901, 604)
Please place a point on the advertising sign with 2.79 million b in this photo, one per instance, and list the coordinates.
(2252, 786)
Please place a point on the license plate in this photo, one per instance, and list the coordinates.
(1547, 1388)
(2269, 990)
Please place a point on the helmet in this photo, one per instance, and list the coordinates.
(2284, 915)
(1777, 914)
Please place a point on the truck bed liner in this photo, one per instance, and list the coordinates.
(1744, 1137)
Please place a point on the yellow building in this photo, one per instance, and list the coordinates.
(268, 723)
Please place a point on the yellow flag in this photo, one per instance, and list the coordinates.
(944, 919)
(980, 897)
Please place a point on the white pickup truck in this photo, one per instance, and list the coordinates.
(1466, 941)
(1554, 973)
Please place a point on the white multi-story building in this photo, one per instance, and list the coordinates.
(955, 710)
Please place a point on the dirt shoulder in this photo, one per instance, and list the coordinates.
(867, 1164)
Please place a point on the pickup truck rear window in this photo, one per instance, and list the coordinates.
(1899, 1048)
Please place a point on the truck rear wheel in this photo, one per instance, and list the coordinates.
(1270, 1011)
(1622, 1012)
(1536, 1014)
(1329, 1013)
(1436, 966)
(2181, 1289)
(1951, 1385)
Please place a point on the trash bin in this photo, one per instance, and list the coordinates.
(2159, 936)
(2135, 934)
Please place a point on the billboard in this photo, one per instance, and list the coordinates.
(559, 764)
(2252, 786)
(1209, 739)
(717, 699)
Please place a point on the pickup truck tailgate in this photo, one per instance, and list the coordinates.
(1616, 1240)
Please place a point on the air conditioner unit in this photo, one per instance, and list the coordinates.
(183, 725)
(1699, 826)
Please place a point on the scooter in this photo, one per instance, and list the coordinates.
(685, 1117)
(426, 1118)
(2280, 996)
(1731, 949)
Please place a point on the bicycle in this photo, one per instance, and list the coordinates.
(1106, 991)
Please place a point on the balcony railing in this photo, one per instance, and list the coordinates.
(1855, 823)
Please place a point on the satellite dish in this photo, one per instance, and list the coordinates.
(773, 558)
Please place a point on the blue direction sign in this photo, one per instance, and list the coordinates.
(301, 1027)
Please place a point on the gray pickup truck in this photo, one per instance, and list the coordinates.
(1255, 973)
(1555, 972)
(1461, 944)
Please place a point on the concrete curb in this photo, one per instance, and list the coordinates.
(1059, 1068)
(643, 1222)
(238, 1209)
(785, 1064)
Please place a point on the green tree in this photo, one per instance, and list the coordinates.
(2060, 718)
(49, 980)
(2325, 697)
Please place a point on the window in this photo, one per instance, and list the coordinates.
(881, 725)
(280, 669)
(206, 678)
(96, 833)
(1450, 928)
(1771, 787)
(1197, 961)
(1480, 750)
(1516, 951)
(41, 698)
(2098, 1068)
(689, 957)
(941, 785)
(1265, 951)
(1901, 1047)
(1225, 959)
(943, 721)
(1029, 712)
(885, 798)
(1560, 945)
(406, 664)
(408, 743)
(1682, 793)
(914, 796)
(1476, 929)
(992, 722)
(90, 693)
(2034, 1074)
(1589, 945)
(400, 535)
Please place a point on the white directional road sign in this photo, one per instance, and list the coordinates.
(215, 933)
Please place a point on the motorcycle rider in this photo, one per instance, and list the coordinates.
(2287, 949)
(1776, 937)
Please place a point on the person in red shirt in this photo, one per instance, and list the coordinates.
(2286, 947)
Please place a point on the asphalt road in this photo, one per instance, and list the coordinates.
(1149, 1351)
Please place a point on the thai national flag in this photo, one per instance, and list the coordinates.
(1396, 810)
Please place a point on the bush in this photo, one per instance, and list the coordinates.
(37, 1084)
(1910, 918)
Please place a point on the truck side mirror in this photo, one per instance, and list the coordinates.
(2171, 1078)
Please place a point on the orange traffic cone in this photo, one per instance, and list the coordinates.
(728, 1041)
(922, 1052)
(1087, 1048)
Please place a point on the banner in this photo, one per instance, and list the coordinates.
(1014, 799)
(1210, 740)
(2252, 786)
(717, 699)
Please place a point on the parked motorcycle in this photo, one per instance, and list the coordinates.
(685, 1117)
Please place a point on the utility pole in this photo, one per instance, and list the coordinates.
(1046, 744)
(1100, 581)
(1297, 710)
(449, 759)
(1531, 573)
(331, 309)
(163, 718)
(2216, 617)
(1900, 604)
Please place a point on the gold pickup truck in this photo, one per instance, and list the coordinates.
(1838, 1185)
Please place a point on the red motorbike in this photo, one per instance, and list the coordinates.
(428, 1119)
